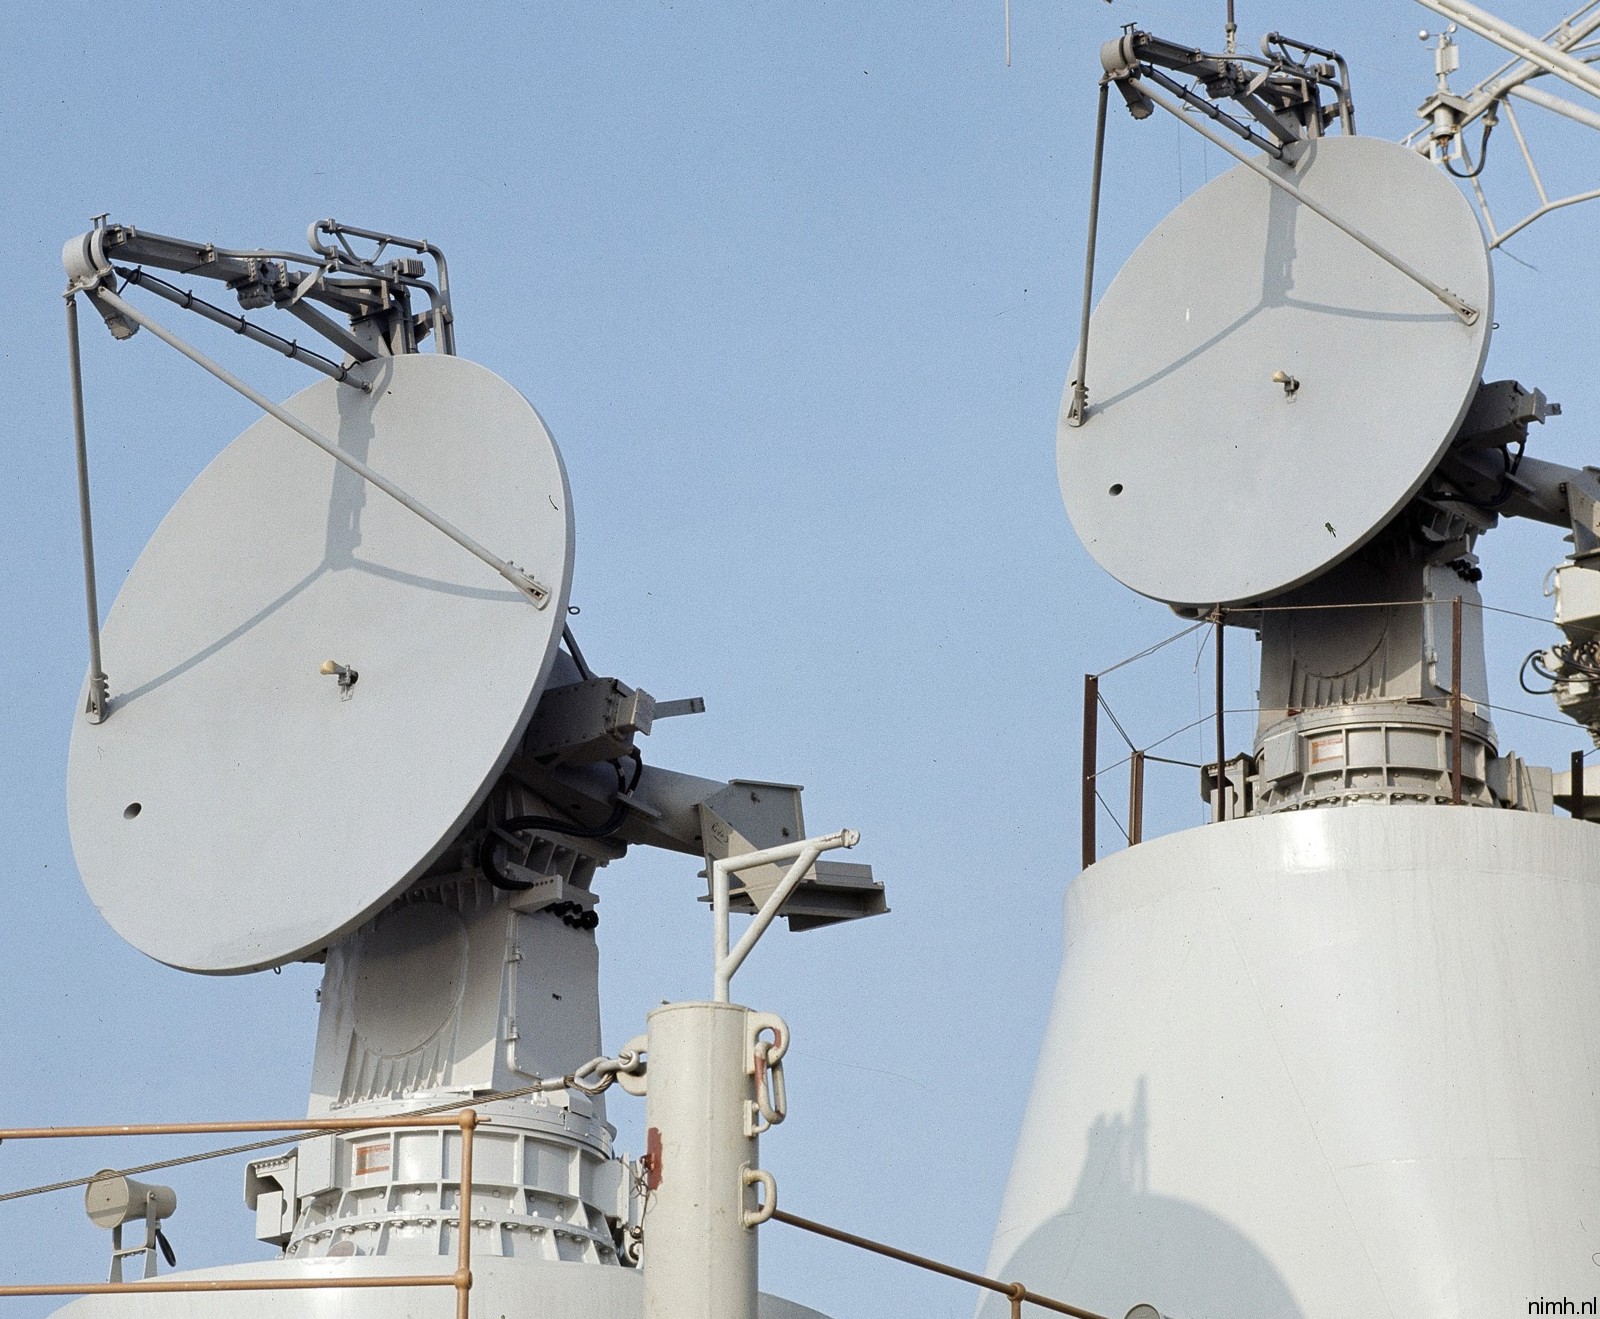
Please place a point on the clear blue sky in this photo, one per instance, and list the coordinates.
(794, 286)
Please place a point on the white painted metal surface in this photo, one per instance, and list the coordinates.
(501, 1289)
(241, 807)
(704, 1115)
(1265, 394)
(801, 856)
(1323, 1063)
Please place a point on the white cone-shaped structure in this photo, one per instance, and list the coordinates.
(1340, 1062)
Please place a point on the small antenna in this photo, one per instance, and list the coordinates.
(1006, 4)
(1231, 32)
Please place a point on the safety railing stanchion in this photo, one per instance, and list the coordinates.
(463, 1280)
(1455, 701)
(1091, 728)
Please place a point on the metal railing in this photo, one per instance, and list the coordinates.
(461, 1279)
(1018, 1294)
(1092, 703)
(1139, 757)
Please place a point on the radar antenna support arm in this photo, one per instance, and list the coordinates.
(1281, 136)
(444, 318)
(1467, 313)
(1340, 89)
(290, 348)
(538, 594)
(1277, 90)
(98, 704)
(1552, 493)
(372, 293)
(1078, 409)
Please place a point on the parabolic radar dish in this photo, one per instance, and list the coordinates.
(242, 806)
(1265, 394)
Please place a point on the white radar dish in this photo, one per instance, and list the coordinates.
(1265, 394)
(246, 801)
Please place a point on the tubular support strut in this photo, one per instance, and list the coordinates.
(98, 705)
(1078, 410)
(724, 962)
(290, 348)
(536, 593)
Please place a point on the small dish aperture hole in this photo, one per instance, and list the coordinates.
(131, 810)
(1116, 489)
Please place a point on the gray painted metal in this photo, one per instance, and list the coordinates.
(243, 809)
(1198, 478)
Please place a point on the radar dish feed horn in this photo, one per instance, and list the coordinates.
(248, 801)
(1266, 394)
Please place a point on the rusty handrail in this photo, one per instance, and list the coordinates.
(1455, 703)
(1018, 1294)
(1136, 798)
(310, 1125)
(467, 1120)
(1091, 731)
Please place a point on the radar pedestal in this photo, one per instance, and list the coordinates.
(450, 996)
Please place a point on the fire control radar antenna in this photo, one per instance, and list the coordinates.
(1286, 1069)
(337, 713)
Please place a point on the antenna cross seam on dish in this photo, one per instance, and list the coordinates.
(95, 283)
